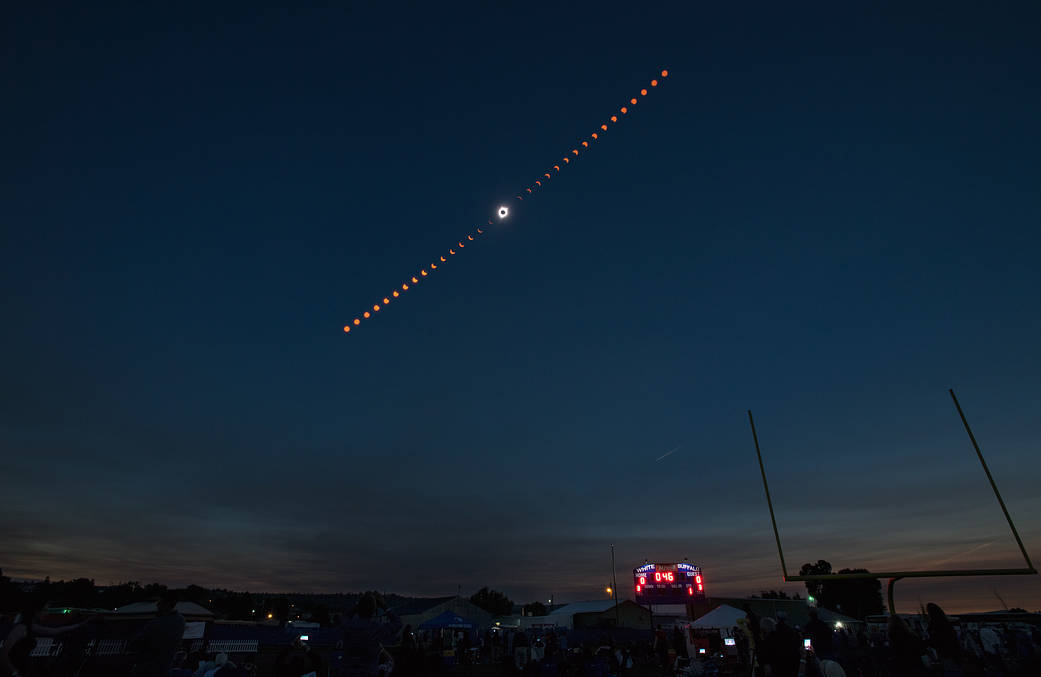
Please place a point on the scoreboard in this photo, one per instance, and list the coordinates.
(668, 583)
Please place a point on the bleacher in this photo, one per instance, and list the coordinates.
(46, 647)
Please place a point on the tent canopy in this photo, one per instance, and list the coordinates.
(723, 616)
(446, 620)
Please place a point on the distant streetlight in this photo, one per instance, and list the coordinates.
(609, 590)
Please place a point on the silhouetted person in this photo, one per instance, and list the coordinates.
(754, 633)
(767, 651)
(907, 649)
(178, 668)
(159, 640)
(820, 636)
(943, 638)
(520, 649)
(363, 639)
(678, 643)
(21, 640)
(296, 659)
(786, 648)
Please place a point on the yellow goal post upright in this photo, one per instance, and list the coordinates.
(894, 576)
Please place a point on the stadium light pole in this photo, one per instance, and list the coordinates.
(614, 587)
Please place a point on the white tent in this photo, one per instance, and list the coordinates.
(722, 617)
(189, 610)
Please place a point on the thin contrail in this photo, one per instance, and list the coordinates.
(669, 453)
(967, 552)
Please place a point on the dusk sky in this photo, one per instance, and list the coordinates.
(827, 215)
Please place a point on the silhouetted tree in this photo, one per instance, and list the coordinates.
(197, 594)
(857, 597)
(815, 588)
(771, 594)
(116, 596)
(9, 593)
(535, 609)
(493, 601)
(280, 607)
(79, 593)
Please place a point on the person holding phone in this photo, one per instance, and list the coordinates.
(363, 638)
(21, 640)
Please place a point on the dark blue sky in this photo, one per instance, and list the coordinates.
(828, 215)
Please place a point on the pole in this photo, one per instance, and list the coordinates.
(993, 486)
(614, 587)
(769, 503)
(889, 591)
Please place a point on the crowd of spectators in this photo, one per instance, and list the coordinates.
(768, 647)
(761, 647)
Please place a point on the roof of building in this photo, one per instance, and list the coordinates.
(595, 606)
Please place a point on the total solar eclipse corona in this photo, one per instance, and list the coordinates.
(529, 191)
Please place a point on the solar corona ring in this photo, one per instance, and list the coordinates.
(676, 583)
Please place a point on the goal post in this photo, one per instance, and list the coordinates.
(894, 576)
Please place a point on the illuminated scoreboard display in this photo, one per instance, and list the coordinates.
(667, 583)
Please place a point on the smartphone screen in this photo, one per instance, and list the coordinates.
(806, 644)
